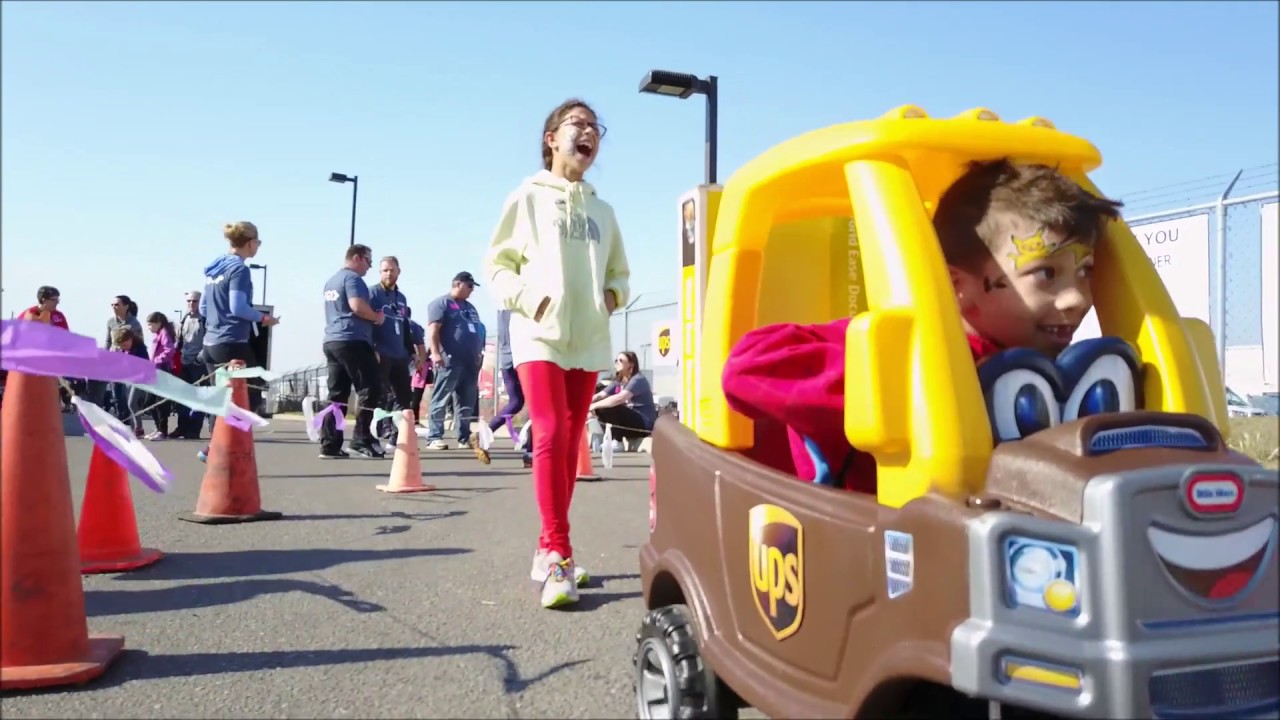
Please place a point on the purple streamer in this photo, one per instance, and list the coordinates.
(37, 348)
(337, 410)
(109, 447)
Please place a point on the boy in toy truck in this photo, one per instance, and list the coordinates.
(1018, 241)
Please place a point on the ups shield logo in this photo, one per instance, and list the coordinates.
(664, 342)
(776, 554)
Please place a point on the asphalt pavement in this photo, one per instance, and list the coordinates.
(359, 603)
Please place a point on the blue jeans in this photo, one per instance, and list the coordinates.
(463, 383)
(120, 398)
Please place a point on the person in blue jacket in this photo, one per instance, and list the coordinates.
(227, 307)
(394, 344)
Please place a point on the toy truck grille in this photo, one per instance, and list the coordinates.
(1161, 603)
(1241, 690)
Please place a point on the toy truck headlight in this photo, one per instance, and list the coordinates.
(1042, 575)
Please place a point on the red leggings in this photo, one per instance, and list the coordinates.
(557, 400)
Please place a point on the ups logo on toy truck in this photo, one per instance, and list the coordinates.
(776, 553)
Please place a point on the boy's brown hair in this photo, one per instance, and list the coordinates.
(120, 335)
(973, 214)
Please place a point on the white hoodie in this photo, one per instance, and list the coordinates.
(558, 241)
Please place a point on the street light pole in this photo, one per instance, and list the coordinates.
(355, 189)
(684, 85)
(713, 121)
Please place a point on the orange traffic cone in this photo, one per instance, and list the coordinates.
(229, 492)
(46, 640)
(108, 531)
(406, 465)
(585, 472)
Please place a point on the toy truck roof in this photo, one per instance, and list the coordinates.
(920, 410)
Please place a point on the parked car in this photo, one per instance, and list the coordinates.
(1268, 403)
(1239, 407)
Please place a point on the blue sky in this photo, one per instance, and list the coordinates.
(133, 131)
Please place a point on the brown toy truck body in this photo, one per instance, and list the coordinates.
(1116, 560)
(825, 639)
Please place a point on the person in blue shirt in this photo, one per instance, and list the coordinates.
(393, 343)
(348, 349)
(227, 307)
(453, 334)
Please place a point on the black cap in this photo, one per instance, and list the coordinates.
(466, 277)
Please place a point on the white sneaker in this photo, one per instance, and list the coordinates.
(558, 587)
(437, 445)
(539, 572)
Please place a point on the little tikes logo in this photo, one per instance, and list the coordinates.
(776, 554)
(1213, 494)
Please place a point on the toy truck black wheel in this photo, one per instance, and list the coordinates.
(671, 679)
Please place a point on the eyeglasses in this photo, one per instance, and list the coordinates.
(619, 361)
(585, 124)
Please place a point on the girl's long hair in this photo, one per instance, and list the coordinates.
(163, 321)
(633, 361)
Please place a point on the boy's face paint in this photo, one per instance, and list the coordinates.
(1036, 248)
(1033, 292)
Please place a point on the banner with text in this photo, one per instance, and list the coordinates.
(1179, 249)
(1270, 297)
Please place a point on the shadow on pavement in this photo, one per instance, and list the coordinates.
(442, 496)
(207, 595)
(252, 563)
(512, 683)
(606, 579)
(474, 490)
(141, 665)
(589, 601)
(496, 472)
(382, 475)
(389, 515)
(606, 477)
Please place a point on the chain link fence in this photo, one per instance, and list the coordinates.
(1232, 204)
(634, 328)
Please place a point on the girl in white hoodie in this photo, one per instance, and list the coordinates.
(557, 262)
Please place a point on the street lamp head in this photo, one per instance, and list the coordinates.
(257, 266)
(672, 84)
(338, 178)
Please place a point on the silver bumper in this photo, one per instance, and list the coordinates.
(1171, 678)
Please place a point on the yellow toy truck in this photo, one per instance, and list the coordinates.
(1115, 565)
